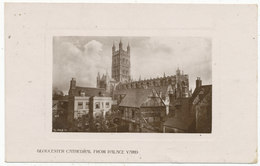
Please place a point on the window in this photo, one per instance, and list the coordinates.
(80, 105)
(97, 104)
(87, 105)
(107, 104)
(133, 114)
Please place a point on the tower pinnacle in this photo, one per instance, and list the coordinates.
(120, 44)
(128, 49)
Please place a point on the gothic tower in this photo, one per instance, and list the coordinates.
(121, 63)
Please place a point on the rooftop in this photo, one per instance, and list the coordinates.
(141, 98)
(89, 91)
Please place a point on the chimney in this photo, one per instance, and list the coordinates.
(198, 82)
(73, 83)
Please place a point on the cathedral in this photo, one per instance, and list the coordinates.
(177, 84)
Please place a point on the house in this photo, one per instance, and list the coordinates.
(99, 107)
(86, 104)
(142, 110)
(201, 107)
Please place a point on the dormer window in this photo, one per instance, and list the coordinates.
(82, 93)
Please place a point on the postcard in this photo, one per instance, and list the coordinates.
(131, 83)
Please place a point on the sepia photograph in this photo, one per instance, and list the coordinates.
(132, 84)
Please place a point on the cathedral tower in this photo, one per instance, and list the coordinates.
(121, 63)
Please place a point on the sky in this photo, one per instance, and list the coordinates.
(82, 57)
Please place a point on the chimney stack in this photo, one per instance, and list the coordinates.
(198, 82)
(73, 83)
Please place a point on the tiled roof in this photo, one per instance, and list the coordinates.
(89, 91)
(205, 88)
(162, 89)
(135, 97)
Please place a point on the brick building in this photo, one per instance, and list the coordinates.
(192, 114)
(201, 107)
(179, 120)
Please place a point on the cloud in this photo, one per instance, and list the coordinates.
(83, 64)
(157, 55)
